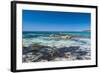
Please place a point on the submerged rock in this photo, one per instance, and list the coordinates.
(65, 36)
(37, 46)
(33, 48)
(61, 36)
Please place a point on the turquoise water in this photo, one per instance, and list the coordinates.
(44, 39)
(31, 34)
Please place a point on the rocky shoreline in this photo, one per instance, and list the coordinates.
(64, 36)
(38, 53)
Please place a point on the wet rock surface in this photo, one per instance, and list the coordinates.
(40, 53)
(64, 36)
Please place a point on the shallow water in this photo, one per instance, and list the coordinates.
(42, 38)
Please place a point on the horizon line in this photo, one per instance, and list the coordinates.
(58, 31)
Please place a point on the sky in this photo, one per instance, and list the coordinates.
(33, 20)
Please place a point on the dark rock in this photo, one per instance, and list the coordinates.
(79, 58)
(69, 49)
(33, 48)
(81, 53)
(36, 52)
(26, 50)
(37, 57)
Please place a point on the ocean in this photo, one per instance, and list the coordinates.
(30, 37)
(30, 34)
(45, 42)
